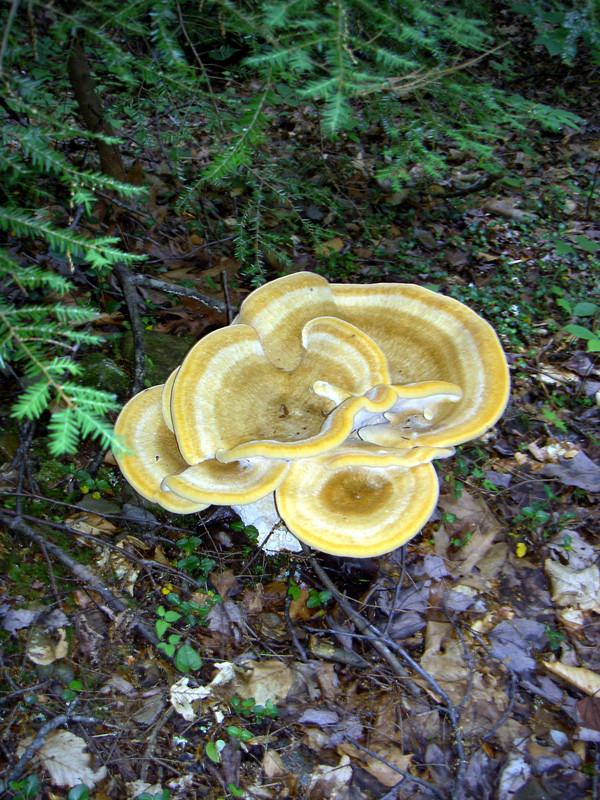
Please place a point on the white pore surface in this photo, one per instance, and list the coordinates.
(273, 536)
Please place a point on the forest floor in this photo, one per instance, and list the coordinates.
(464, 665)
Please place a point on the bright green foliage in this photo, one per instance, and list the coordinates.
(236, 74)
(43, 190)
(564, 28)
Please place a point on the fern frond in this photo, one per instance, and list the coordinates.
(33, 401)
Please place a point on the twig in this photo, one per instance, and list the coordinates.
(406, 775)
(481, 183)
(385, 646)
(174, 288)
(53, 585)
(81, 572)
(9, 23)
(592, 189)
(166, 715)
(126, 280)
(225, 286)
(39, 742)
(289, 623)
(399, 583)
(375, 636)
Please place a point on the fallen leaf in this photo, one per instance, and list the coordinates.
(589, 711)
(330, 246)
(183, 695)
(580, 471)
(268, 680)
(63, 755)
(42, 649)
(578, 588)
(505, 207)
(584, 679)
(331, 781)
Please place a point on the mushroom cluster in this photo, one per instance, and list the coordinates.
(317, 413)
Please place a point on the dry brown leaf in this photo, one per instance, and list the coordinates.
(273, 765)
(330, 246)
(577, 588)
(223, 582)
(584, 679)
(331, 781)
(374, 766)
(268, 680)
(589, 711)
(473, 519)
(63, 755)
(42, 649)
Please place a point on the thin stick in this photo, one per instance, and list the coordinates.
(127, 282)
(39, 741)
(225, 286)
(174, 288)
(81, 572)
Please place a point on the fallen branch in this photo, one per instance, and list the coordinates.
(15, 772)
(127, 281)
(174, 288)
(81, 572)
(389, 649)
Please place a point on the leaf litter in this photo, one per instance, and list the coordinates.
(492, 614)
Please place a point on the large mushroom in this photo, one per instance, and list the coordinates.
(322, 406)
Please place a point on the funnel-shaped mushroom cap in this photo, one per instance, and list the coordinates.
(355, 510)
(228, 484)
(230, 401)
(279, 310)
(337, 427)
(428, 337)
(150, 451)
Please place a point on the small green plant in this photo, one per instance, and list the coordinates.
(248, 530)
(80, 792)
(458, 542)
(70, 692)
(165, 794)
(533, 515)
(239, 734)
(552, 417)
(26, 788)
(187, 659)
(294, 590)
(213, 750)
(249, 708)
(591, 337)
(555, 638)
(318, 599)
(192, 563)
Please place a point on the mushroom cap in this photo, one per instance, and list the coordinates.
(354, 510)
(337, 427)
(428, 337)
(150, 451)
(166, 399)
(236, 483)
(230, 401)
(356, 452)
(280, 309)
